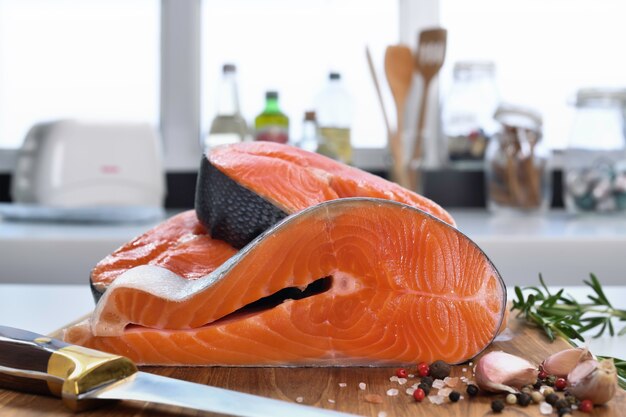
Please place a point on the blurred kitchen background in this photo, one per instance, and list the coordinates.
(107, 105)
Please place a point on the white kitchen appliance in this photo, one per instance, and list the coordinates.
(74, 164)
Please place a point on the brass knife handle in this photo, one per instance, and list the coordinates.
(39, 364)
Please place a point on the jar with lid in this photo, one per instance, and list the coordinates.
(517, 171)
(595, 159)
(467, 113)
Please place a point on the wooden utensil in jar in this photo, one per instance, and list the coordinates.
(431, 52)
(399, 72)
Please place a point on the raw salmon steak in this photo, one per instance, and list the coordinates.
(180, 244)
(245, 188)
(355, 281)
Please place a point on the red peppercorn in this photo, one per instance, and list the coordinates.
(543, 374)
(419, 395)
(402, 373)
(585, 406)
(560, 384)
(423, 369)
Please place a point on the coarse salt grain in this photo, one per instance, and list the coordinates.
(436, 399)
(330, 400)
(410, 390)
(545, 408)
(392, 392)
(438, 383)
(451, 382)
(382, 414)
(402, 381)
(362, 386)
(373, 398)
(343, 385)
(415, 385)
(393, 378)
(299, 399)
(471, 363)
(411, 375)
(444, 392)
(464, 369)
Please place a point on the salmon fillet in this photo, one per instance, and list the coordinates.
(347, 282)
(245, 188)
(179, 244)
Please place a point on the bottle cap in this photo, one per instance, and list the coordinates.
(334, 76)
(310, 116)
(229, 68)
(271, 95)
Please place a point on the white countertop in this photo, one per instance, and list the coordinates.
(46, 308)
(561, 247)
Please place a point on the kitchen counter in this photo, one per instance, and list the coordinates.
(46, 308)
(563, 248)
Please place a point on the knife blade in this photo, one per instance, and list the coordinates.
(84, 378)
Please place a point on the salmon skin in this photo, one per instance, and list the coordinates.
(355, 281)
(180, 244)
(245, 188)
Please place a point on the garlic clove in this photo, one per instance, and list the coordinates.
(593, 380)
(561, 363)
(499, 371)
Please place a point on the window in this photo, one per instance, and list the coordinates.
(96, 60)
(544, 50)
(290, 46)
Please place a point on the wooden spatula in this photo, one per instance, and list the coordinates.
(431, 52)
(399, 71)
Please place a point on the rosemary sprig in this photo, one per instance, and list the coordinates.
(560, 315)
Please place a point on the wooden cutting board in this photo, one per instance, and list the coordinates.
(320, 387)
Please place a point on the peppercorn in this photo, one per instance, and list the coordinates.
(454, 396)
(497, 406)
(402, 373)
(547, 391)
(419, 395)
(552, 398)
(560, 384)
(428, 380)
(523, 399)
(439, 369)
(537, 385)
(472, 390)
(537, 397)
(527, 390)
(564, 411)
(423, 369)
(562, 403)
(585, 406)
(543, 374)
(511, 399)
(424, 387)
(550, 380)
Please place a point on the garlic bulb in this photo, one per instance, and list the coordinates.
(500, 371)
(593, 380)
(561, 363)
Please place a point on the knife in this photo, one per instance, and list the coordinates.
(83, 378)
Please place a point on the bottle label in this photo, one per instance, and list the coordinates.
(338, 140)
(273, 134)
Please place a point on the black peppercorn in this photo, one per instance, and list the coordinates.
(565, 411)
(427, 380)
(497, 406)
(562, 403)
(523, 399)
(472, 390)
(454, 396)
(552, 399)
(439, 369)
(425, 388)
(537, 384)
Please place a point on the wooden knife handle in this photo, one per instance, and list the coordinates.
(39, 364)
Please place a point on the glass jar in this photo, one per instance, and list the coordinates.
(517, 170)
(467, 113)
(595, 159)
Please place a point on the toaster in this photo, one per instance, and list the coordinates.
(79, 164)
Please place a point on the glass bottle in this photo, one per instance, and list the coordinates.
(595, 159)
(311, 138)
(334, 113)
(228, 126)
(467, 113)
(517, 170)
(272, 124)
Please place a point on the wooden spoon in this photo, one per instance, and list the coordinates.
(399, 72)
(431, 52)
